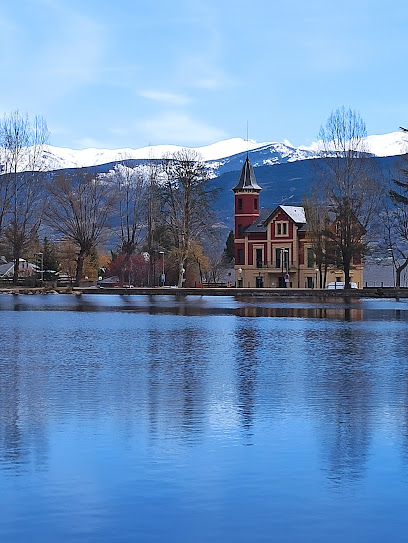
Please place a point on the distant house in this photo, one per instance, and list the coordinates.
(271, 245)
(25, 269)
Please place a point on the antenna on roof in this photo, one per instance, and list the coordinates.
(247, 140)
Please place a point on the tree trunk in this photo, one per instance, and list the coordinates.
(324, 277)
(397, 277)
(79, 268)
(181, 273)
(122, 270)
(398, 273)
(16, 269)
(346, 266)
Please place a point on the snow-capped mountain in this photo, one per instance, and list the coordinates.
(221, 156)
(60, 157)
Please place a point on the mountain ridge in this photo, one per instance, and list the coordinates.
(220, 156)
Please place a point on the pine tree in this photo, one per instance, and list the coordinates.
(229, 251)
(51, 265)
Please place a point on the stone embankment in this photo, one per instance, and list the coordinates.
(371, 292)
(34, 290)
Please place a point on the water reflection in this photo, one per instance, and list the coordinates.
(22, 427)
(349, 310)
(159, 402)
(335, 313)
(247, 348)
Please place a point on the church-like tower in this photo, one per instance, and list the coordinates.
(246, 208)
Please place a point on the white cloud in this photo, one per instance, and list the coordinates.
(166, 97)
(179, 128)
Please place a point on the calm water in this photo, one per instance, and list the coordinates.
(137, 419)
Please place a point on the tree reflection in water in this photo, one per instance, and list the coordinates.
(152, 402)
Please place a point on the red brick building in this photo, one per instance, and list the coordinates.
(271, 245)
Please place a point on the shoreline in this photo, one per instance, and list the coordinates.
(369, 292)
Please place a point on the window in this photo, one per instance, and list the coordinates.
(240, 256)
(255, 203)
(240, 229)
(259, 258)
(239, 204)
(281, 228)
(279, 253)
(310, 257)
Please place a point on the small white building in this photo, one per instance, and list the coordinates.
(25, 269)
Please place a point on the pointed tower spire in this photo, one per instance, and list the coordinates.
(247, 179)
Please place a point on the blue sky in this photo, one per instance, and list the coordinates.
(128, 73)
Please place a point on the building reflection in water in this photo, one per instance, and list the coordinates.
(332, 313)
(177, 370)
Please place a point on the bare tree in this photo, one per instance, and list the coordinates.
(396, 223)
(5, 191)
(188, 200)
(200, 259)
(318, 224)
(21, 185)
(131, 204)
(352, 190)
(79, 207)
(153, 215)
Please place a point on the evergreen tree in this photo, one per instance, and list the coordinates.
(229, 251)
(51, 265)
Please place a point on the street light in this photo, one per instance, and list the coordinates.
(316, 272)
(163, 276)
(239, 278)
(40, 260)
(283, 252)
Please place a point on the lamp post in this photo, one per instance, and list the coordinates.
(239, 278)
(40, 260)
(283, 253)
(316, 272)
(163, 276)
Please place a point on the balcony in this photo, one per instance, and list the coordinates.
(272, 266)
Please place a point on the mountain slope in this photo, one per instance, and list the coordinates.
(222, 156)
(281, 184)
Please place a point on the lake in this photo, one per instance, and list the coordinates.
(198, 419)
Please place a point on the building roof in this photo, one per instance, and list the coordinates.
(296, 213)
(260, 224)
(247, 179)
(6, 269)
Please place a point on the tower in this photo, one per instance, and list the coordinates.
(246, 212)
(246, 208)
